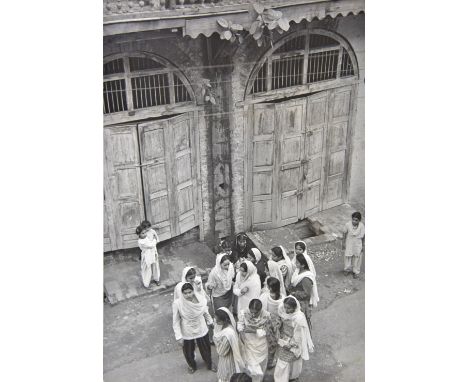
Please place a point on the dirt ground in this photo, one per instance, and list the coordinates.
(141, 328)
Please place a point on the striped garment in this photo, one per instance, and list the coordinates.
(226, 365)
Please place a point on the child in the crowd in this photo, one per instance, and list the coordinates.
(247, 285)
(352, 241)
(151, 233)
(279, 255)
(270, 302)
(148, 257)
(227, 345)
(294, 344)
(253, 325)
(190, 318)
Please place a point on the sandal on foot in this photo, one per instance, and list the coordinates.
(213, 368)
(191, 370)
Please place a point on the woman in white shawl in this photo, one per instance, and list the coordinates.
(247, 285)
(253, 325)
(190, 318)
(294, 344)
(280, 255)
(147, 245)
(219, 284)
(304, 285)
(227, 345)
(300, 248)
(189, 275)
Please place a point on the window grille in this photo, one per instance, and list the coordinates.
(346, 65)
(260, 83)
(324, 58)
(115, 98)
(322, 66)
(138, 82)
(287, 72)
(150, 91)
(180, 91)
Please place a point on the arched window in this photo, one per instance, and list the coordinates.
(301, 59)
(139, 82)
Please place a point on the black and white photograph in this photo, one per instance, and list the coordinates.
(200, 191)
(234, 190)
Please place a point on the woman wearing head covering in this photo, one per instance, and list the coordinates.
(240, 248)
(247, 285)
(273, 270)
(189, 275)
(255, 256)
(300, 248)
(219, 284)
(304, 285)
(280, 255)
(253, 325)
(227, 345)
(189, 320)
(294, 344)
(270, 302)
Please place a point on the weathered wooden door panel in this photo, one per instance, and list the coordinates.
(169, 174)
(264, 180)
(290, 125)
(155, 170)
(185, 171)
(299, 157)
(338, 126)
(123, 178)
(107, 239)
(315, 149)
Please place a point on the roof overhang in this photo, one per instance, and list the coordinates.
(206, 24)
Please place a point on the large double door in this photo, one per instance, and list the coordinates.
(298, 160)
(150, 172)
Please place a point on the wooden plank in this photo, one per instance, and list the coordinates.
(197, 159)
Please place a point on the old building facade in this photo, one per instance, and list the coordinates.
(214, 136)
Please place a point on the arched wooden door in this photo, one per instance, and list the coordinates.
(298, 157)
(150, 173)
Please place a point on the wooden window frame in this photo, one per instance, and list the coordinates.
(270, 56)
(168, 69)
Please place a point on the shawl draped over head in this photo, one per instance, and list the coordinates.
(275, 271)
(297, 278)
(250, 278)
(266, 300)
(287, 262)
(311, 264)
(230, 332)
(257, 254)
(190, 310)
(197, 288)
(224, 276)
(301, 328)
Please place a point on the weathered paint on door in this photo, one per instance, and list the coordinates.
(150, 173)
(169, 174)
(122, 183)
(299, 157)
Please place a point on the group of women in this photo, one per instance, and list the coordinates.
(262, 307)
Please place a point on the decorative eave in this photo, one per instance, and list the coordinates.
(205, 23)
